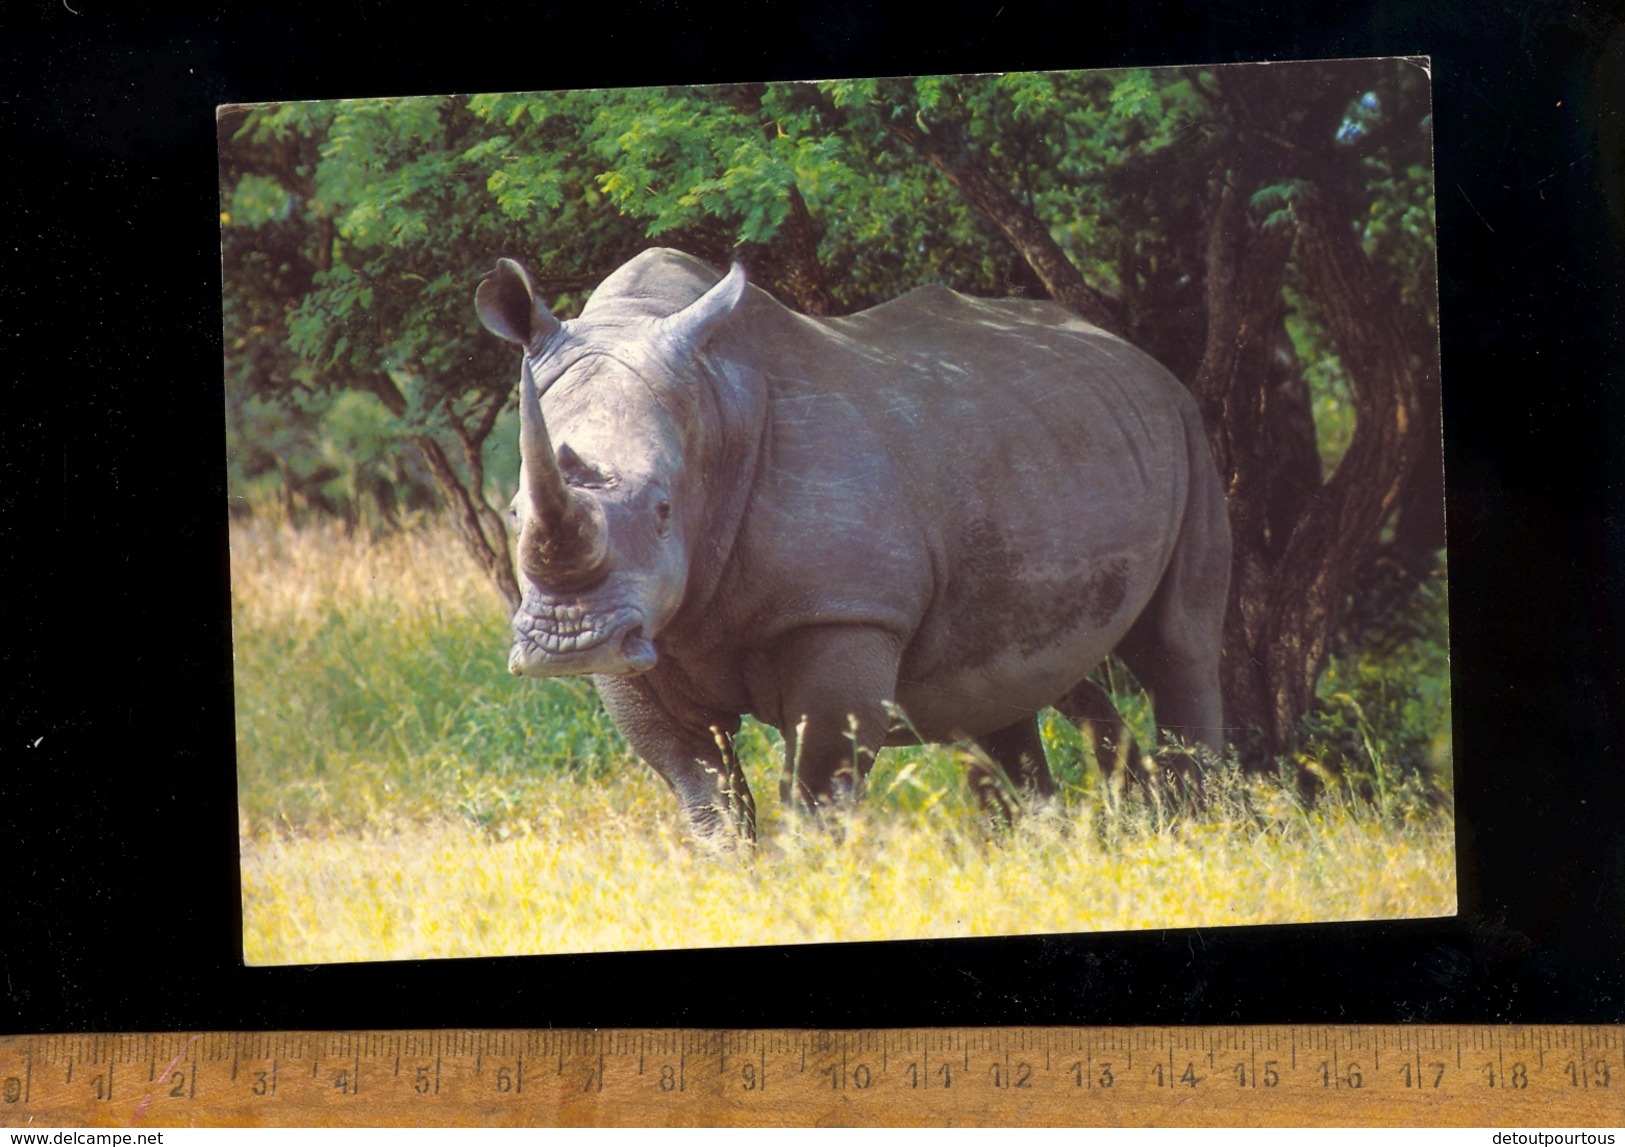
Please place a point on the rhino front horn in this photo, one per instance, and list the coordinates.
(565, 542)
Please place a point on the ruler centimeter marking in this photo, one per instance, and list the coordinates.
(1283, 1075)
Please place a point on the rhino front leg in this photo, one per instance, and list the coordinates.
(698, 765)
(833, 684)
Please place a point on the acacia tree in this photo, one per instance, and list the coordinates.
(342, 247)
(1256, 229)
(353, 234)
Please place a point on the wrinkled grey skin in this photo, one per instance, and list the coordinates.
(944, 506)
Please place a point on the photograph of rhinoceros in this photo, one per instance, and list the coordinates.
(864, 509)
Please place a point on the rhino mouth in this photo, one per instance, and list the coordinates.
(559, 639)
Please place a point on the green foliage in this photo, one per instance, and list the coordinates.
(340, 455)
(1398, 234)
(1383, 708)
(410, 715)
(1277, 202)
(256, 201)
(354, 231)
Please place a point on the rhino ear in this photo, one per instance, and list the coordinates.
(508, 306)
(695, 323)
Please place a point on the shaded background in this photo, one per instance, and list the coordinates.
(118, 887)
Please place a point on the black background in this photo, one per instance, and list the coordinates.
(118, 877)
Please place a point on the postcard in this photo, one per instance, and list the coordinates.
(777, 513)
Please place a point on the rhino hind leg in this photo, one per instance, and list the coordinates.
(1174, 646)
(1089, 707)
(1015, 774)
(1181, 673)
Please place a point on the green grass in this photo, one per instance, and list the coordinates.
(401, 796)
(371, 684)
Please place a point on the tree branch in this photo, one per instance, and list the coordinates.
(1024, 230)
(381, 386)
(473, 525)
(798, 241)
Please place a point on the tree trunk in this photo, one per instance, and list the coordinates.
(1245, 271)
(1297, 548)
(478, 526)
(1339, 529)
(1419, 526)
(797, 246)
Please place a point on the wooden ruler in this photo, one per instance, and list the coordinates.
(1539, 1076)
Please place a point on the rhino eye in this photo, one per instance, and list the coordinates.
(663, 515)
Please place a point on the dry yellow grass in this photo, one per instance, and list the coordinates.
(403, 798)
(596, 879)
(291, 579)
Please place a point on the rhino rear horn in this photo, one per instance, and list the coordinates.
(509, 306)
(698, 321)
